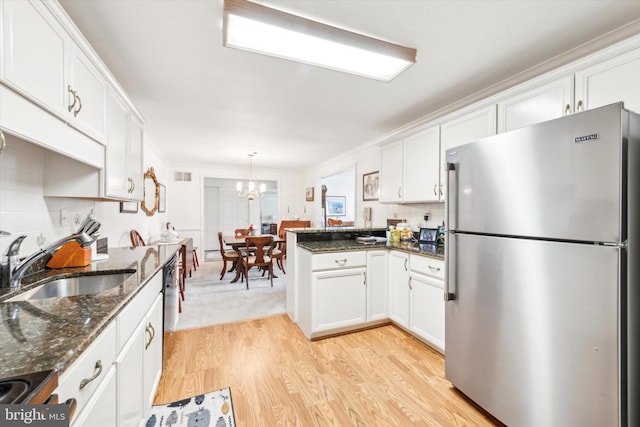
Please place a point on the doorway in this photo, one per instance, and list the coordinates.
(225, 211)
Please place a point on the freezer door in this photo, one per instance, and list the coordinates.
(558, 179)
(532, 334)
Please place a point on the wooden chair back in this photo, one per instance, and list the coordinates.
(241, 232)
(262, 249)
(136, 239)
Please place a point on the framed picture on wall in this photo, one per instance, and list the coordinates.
(309, 194)
(371, 186)
(129, 207)
(336, 205)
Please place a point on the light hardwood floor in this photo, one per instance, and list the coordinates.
(377, 377)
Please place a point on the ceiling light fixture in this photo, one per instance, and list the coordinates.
(250, 191)
(257, 28)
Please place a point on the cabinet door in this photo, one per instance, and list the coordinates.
(399, 287)
(610, 81)
(89, 112)
(427, 309)
(152, 353)
(130, 385)
(391, 173)
(34, 52)
(377, 273)
(468, 128)
(339, 299)
(421, 181)
(134, 164)
(117, 183)
(544, 102)
(100, 411)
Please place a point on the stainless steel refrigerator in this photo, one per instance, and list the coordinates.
(542, 281)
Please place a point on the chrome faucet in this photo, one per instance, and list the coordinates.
(13, 270)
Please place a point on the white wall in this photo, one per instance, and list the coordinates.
(367, 160)
(25, 210)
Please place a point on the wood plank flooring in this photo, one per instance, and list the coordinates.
(377, 377)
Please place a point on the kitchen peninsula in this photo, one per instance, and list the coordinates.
(338, 284)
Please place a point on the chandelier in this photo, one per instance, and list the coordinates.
(250, 191)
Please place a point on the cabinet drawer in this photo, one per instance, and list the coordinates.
(135, 311)
(338, 260)
(94, 363)
(427, 266)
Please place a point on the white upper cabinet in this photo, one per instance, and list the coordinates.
(391, 173)
(421, 172)
(123, 168)
(544, 102)
(610, 81)
(86, 91)
(43, 63)
(409, 168)
(34, 53)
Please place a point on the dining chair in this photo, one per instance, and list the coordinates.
(334, 222)
(262, 247)
(231, 256)
(136, 239)
(241, 232)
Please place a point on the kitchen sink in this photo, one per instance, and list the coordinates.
(73, 286)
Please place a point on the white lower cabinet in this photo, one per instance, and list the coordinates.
(88, 379)
(399, 288)
(344, 291)
(339, 298)
(416, 300)
(426, 300)
(114, 380)
(377, 295)
(100, 410)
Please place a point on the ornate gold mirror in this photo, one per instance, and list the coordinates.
(151, 198)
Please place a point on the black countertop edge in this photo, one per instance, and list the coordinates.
(52, 333)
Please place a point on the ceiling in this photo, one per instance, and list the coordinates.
(207, 104)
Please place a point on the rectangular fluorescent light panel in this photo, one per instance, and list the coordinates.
(256, 28)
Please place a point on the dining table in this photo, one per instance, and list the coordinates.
(237, 243)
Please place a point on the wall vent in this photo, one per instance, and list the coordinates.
(183, 176)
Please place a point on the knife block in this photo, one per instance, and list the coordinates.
(70, 254)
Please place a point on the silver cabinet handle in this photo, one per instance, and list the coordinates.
(410, 279)
(431, 267)
(341, 262)
(405, 264)
(96, 373)
(364, 281)
(3, 141)
(73, 95)
(567, 109)
(75, 113)
(580, 106)
(435, 189)
(441, 190)
(399, 192)
(152, 333)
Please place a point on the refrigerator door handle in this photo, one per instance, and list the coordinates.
(450, 277)
(451, 196)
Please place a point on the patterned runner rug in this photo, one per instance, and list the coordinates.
(213, 409)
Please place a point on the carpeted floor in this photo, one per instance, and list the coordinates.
(211, 301)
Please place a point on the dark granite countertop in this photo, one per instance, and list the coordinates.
(51, 333)
(431, 251)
